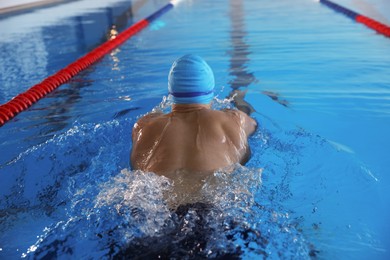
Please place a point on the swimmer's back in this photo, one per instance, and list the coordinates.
(198, 141)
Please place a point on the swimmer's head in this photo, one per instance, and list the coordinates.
(191, 81)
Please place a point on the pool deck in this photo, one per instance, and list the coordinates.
(11, 6)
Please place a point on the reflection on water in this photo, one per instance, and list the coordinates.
(87, 37)
(239, 58)
(57, 114)
(28, 59)
(29, 55)
(22, 62)
(239, 54)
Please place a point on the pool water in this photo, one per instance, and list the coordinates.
(318, 85)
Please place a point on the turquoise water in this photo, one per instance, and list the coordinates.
(316, 185)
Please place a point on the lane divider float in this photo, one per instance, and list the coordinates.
(371, 23)
(26, 99)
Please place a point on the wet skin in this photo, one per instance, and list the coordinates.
(192, 138)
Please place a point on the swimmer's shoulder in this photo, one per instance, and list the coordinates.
(148, 120)
(148, 125)
(248, 123)
(232, 114)
(150, 117)
(227, 118)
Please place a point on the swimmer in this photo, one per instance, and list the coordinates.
(192, 138)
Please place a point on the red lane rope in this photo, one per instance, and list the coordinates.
(371, 23)
(26, 99)
(375, 25)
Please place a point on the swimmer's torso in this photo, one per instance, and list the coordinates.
(200, 140)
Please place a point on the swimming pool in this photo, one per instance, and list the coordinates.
(323, 145)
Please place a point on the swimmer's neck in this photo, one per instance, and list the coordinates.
(189, 107)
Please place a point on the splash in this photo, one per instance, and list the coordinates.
(130, 217)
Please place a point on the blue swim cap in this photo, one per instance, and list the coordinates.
(191, 81)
